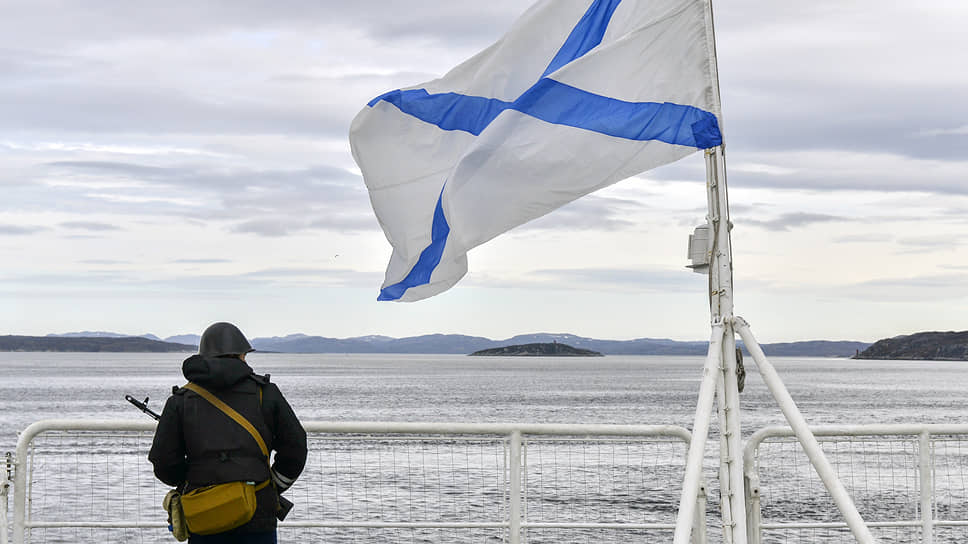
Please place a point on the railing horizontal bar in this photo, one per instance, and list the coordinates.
(122, 524)
(496, 438)
(878, 429)
(494, 428)
(392, 525)
(362, 524)
(475, 525)
(838, 525)
(391, 428)
(662, 526)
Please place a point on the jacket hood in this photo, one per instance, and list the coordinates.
(215, 372)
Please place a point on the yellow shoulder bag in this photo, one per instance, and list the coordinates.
(218, 508)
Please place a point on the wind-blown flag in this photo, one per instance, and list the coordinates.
(578, 95)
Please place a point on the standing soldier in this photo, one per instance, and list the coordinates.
(197, 444)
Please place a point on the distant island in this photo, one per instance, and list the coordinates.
(553, 349)
(922, 346)
(90, 344)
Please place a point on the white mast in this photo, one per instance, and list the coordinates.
(733, 497)
(723, 376)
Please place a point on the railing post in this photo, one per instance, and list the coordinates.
(925, 463)
(753, 515)
(20, 488)
(514, 513)
(4, 492)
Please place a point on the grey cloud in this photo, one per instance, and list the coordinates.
(274, 278)
(926, 244)
(83, 106)
(589, 213)
(842, 169)
(125, 169)
(909, 289)
(201, 261)
(82, 278)
(103, 20)
(347, 222)
(30, 64)
(958, 214)
(301, 272)
(790, 220)
(283, 226)
(834, 76)
(268, 227)
(19, 230)
(133, 281)
(929, 241)
(89, 225)
(863, 238)
(212, 176)
(273, 202)
(861, 117)
(603, 279)
(486, 26)
(101, 89)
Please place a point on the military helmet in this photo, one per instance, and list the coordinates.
(223, 339)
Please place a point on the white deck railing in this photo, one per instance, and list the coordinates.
(910, 482)
(412, 482)
(389, 482)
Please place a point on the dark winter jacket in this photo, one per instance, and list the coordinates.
(197, 445)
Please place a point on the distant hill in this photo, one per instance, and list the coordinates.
(101, 334)
(463, 344)
(553, 349)
(922, 346)
(89, 344)
(190, 339)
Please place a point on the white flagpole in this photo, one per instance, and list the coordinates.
(733, 496)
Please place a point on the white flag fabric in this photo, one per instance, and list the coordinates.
(578, 95)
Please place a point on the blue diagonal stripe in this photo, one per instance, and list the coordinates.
(586, 35)
(560, 104)
(429, 257)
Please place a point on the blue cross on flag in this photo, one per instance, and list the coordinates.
(578, 95)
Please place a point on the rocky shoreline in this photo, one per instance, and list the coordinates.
(922, 346)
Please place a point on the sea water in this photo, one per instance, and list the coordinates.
(453, 388)
(457, 388)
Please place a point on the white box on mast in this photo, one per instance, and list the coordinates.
(699, 250)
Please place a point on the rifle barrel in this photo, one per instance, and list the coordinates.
(143, 406)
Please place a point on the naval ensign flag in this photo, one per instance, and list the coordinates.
(578, 95)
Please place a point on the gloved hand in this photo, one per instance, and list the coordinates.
(281, 481)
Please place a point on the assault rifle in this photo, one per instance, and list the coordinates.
(143, 406)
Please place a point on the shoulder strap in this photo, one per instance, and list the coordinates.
(229, 411)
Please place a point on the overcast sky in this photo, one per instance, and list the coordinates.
(165, 165)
